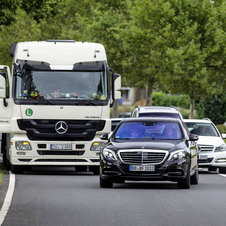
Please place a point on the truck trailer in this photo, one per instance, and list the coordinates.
(55, 103)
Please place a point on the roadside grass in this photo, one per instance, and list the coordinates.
(1, 173)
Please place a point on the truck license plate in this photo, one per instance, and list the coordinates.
(141, 168)
(60, 146)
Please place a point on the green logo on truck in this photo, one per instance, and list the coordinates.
(29, 112)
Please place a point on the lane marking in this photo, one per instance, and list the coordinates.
(8, 198)
(223, 175)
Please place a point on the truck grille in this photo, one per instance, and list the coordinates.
(203, 148)
(78, 130)
(142, 157)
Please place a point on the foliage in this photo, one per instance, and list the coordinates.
(7, 11)
(163, 99)
(214, 108)
(221, 128)
(182, 42)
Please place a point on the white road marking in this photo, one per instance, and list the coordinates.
(8, 198)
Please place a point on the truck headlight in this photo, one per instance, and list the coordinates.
(97, 146)
(23, 145)
(221, 148)
(109, 154)
(176, 155)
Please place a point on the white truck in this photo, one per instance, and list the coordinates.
(55, 103)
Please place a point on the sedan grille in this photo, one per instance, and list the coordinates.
(205, 147)
(142, 157)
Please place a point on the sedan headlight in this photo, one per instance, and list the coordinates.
(109, 154)
(23, 145)
(176, 155)
(221, 148)
(97, 146)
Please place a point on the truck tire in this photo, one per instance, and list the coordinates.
(5, 151)
(17, 169)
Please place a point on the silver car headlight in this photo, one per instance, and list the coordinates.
(176, 155)
(109, 154)
(220, 148)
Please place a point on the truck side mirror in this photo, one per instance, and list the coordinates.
(117, 87)
(2, 85)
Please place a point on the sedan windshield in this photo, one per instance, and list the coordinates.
(148, 130)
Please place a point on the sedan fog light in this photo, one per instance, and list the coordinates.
(97, 146)
(23, 145)
(221, 160)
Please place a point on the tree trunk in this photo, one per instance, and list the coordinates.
(149, 94)
(192, 104)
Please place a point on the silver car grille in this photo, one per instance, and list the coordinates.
(142, 157)
(203, 148)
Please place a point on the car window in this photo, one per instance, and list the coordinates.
(163, 115)
(202, 129)
(148, 130)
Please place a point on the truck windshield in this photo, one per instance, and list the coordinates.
(90, 85)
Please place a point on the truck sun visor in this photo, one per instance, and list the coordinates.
(89, 66)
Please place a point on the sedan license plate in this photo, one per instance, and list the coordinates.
(141, 168)
(60, 146)
(203, 157)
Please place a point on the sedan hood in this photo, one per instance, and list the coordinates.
(209, 140)
(157, 145)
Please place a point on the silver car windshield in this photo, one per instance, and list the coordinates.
(202, 129)
(149, 130)
(83, 85)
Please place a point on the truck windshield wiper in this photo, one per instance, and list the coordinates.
(46, 102)
(91, 102)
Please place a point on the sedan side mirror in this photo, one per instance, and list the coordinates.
(104, 136)
(193, 137)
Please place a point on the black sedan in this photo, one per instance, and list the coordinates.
(149, 149)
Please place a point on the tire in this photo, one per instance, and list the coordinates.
(185, 184)
(5, 151)
(212, 168)
(222, 170)
(81, 168)
(195, 177)
(105, 183)
(17, 169)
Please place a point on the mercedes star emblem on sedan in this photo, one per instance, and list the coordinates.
(61, 127)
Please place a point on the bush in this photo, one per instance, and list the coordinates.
(163, 99)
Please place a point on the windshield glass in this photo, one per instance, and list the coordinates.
(81, 85)
(163, 115)
(202, 129)
(148, 130)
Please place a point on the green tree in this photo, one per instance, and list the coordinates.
(7, 11)
(183, 43)
(214, 108)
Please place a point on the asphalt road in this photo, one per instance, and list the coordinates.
(63, 197)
